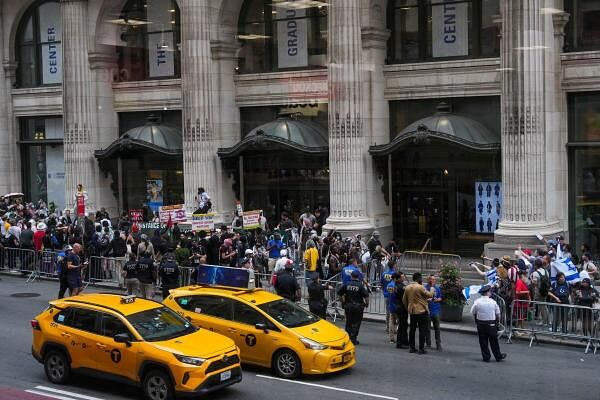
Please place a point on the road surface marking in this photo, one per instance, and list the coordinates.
(53, 396)
(328, 387)
(66, 393)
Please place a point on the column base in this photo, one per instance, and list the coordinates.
(364, 227)
(509, 236)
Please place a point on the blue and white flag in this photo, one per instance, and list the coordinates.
(566, 266)
(491, 276)
(471, 290)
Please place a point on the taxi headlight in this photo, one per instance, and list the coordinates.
(311, 344)
(197, 361)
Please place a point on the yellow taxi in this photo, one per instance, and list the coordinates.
(269, 330)
(134, 341)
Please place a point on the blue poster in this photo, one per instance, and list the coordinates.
(488, 206)
(223, 276)
(154, 194)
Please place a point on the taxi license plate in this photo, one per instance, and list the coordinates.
(346, 357)
(225, 375)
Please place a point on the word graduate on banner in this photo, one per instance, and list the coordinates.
(292, 37)
(450, 29)
(488, 206)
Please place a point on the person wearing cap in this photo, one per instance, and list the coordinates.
(487, 316)
(61, 270)
(286, 284)
(317, 303)
(355, 297)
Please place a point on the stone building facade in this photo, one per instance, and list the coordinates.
(385, 114)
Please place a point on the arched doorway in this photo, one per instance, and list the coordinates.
(281, 166)
(435, 165)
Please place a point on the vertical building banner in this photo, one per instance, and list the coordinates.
(50, 34)
(292, 37)
(161, 50)
(450, 29)
(488, 206)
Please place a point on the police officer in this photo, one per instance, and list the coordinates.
(355, 297)
(132, 284)
(487, 314)
(286, 285)
(169, 274)
(146, 274)
(317, 303)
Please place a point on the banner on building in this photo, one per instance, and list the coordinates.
(50, 34)
(450, 29)
(251, 219)
(176, 213)
(161, 51)
(80, 200)
(154, 194)
(203, 222)
(292, 37)
(488, 206)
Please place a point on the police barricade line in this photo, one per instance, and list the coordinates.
(48, 264)
(426, 261)
(503, 329)
(20, 260)
(556, 320)
(105, 270)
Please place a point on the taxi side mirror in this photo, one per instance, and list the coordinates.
(262, 327)
(123, 338)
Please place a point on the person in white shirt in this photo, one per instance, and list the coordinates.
(281, 261)
(487, 314)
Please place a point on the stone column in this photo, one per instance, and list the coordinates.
(199, 140)
(348, 147)
(524, 85)
(9, 132)
(78, 103)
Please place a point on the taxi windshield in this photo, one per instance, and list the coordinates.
(288, 314)
(160, 324)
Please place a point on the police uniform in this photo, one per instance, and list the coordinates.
(131, 280)
(486, 313)
(169, 274)
(354, 294)
(317, 304)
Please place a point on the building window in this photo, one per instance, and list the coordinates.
(39, 51)
(278, 37)
(150, 41)
(583, 29)
(584, 169)
(432, 30)
(42, 160)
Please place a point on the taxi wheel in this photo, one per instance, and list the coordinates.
(287, 364)
(158, 386)
(56, 366)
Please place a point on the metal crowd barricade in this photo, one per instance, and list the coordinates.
(106, 270)
(555, 320)
(24, 261)
(48, 264)
(503, 331)
(423, 261)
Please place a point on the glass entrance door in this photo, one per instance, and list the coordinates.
(424, 216)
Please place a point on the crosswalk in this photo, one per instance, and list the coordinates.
(60, 394)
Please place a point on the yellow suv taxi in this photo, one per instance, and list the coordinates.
(269, 330)
(137, 341)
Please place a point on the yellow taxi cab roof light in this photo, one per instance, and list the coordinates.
(128, 299)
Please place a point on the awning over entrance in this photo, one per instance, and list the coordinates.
(286, 132)
(152, 136)
(445, 126)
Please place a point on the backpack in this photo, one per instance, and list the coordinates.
(544, 283)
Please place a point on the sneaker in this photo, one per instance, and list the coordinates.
(502, 357)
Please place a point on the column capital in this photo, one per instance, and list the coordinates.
(224, 50)
(559, 21)
(10, 68)
(374, 38)
(102, 60)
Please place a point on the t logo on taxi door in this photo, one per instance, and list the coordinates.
(250, 340)
(115, 356)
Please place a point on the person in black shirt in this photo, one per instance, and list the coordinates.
(286, 285)
(355, 297)
(169, 274)
(401, 313)
(130, 274)
(74, 264)
(317, 303)
(146, 274)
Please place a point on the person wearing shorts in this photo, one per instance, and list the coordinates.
(74, 270)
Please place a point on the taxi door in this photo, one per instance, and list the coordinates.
(112, 357)
(256, 345)
(76, 328)
(208, 312)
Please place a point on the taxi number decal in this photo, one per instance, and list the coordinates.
(115, 356)
(250, 340)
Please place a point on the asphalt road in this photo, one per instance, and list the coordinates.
(542, 372)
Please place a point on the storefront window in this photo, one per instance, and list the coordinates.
(43, 160)
(584, 169)
(278, 37)
(430, 30)
(583, 29)
(39, 49)
(150, 40)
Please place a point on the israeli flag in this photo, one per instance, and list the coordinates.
(566, 266)
(471, 290)
(491, 276)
